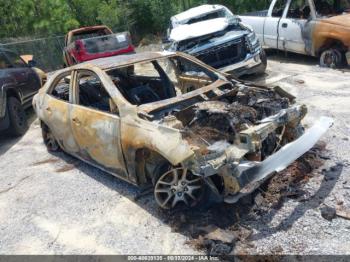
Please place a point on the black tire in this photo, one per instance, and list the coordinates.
(331, 58)
(262, 67)
(18, 117)
(49, 139)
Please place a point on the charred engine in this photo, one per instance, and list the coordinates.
(214, 125)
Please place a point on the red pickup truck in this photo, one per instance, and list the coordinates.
(88, 43)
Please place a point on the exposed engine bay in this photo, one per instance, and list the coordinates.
(215, 124)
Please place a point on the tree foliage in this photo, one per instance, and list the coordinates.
(36, 18)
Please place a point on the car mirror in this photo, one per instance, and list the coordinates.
(32, 63)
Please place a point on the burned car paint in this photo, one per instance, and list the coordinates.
(312, 27)
(169, 120)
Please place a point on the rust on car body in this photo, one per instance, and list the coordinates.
(312, 27)
(169, 120)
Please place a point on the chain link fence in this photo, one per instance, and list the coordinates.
(47, 52)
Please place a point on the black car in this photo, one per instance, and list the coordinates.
(19, 82)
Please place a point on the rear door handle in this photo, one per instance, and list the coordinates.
(284, 25)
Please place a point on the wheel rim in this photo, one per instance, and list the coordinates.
(178, 185)
(331, 58)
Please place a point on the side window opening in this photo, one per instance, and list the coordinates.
(279, 8)
(143, 83)
(92, 94)
(61, 87)
(15, 60)
(4, 62)
(299, 9)
(331, 7)
(192, 76)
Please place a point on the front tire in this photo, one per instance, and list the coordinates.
(263, 59)
(18, 118)
(331, 58)
(49, 139)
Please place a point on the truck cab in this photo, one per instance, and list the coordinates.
(318, 28)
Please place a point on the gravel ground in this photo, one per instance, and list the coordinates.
(55, 204)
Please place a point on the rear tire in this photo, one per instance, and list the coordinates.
(18, 118)
(331, 58)
(262, 67)
(49, 139)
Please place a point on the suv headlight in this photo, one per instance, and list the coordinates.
(252, 38)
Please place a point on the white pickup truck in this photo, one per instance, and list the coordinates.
(319, 28)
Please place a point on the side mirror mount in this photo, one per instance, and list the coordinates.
(165, 40)
(32, 63)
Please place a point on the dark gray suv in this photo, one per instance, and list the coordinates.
(19, 82)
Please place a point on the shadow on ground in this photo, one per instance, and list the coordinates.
(7, 141)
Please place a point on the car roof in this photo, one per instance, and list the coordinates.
(85, 29)
(123, 60)
(196, 11)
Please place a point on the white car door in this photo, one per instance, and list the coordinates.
(295, 27)
(272, 21)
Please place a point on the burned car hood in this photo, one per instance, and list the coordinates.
(184, 32)
(341, 20)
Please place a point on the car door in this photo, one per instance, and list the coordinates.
(295, 27)
(271, 23)
(56, 107)
(28, 81)
(95, 128)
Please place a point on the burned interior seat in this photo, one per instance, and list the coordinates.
(93, 95)
(143, 95)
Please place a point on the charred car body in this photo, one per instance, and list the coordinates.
(88, 43)
(218, 38)
(169, 120)
(312, 27)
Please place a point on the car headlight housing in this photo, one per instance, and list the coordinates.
(252, 42)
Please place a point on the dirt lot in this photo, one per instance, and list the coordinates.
(55, 204)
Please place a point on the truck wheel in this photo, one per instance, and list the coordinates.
(263, 59)
(179, 185)
(49, 139)
(331, 58)
(18, 118)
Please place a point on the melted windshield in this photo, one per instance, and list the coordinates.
(152, 81)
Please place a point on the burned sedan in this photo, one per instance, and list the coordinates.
(170, 121)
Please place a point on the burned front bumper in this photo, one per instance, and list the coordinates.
(240, 172)
(251, 175)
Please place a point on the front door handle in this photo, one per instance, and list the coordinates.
(49, 111)
(76, 121)
(284, 25)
